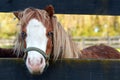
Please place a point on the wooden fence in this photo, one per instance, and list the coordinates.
(6, 42)
(82, 42)
(102, 7)
(68, 69)
(15, 69)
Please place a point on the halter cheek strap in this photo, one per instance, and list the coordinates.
(39, 51)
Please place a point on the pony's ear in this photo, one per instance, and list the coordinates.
(50, 10)
(18, 14)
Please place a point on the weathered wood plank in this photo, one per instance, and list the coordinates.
(68, 69)
(109, 7)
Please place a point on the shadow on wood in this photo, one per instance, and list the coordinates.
(109, 7)
(68, 69)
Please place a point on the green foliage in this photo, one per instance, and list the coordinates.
(118, 50)
(76, 25)
(7, 25)
(91, 25)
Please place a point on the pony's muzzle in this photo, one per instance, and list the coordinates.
(35, 64)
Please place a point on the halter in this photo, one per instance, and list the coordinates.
(47, 57)
(39, 51)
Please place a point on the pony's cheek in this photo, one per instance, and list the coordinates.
(49, 47)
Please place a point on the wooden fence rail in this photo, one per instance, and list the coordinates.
(102, 7)
(68, 69)
(6, 42)
(82, 42)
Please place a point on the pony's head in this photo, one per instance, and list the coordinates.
(42, 37)
(35, 37)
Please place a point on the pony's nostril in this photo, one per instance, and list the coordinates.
(41, 60)
(29, 61)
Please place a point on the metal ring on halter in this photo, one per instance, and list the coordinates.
(38, 50)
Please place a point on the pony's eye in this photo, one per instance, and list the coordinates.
(50, 33)
(23, 34)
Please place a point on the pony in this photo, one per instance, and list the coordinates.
(7, 53)
(41, 38)
(100, 51)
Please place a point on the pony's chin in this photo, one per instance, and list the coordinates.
(37, 70)
(36, 73)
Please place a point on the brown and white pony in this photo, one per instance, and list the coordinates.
(42, 38)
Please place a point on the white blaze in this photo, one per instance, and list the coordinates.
(36, 37)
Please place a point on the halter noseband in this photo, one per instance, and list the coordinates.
(39, 51)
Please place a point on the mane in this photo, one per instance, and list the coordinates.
(64, 47)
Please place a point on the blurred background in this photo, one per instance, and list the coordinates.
(86, 30)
